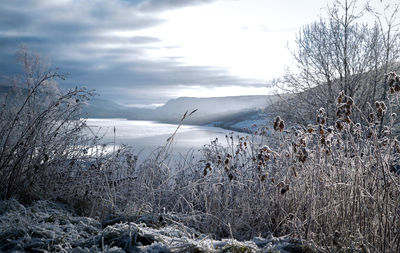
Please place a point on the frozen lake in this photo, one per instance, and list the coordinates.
(145, 136)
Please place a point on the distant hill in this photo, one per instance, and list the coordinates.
(210, 109)
(174, 109)
(235, 112)
(103, 108)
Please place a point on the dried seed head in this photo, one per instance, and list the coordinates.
(371, 117)
(281, 125)
(303, 154)
(397, 86)
(350, 101)
(383, 105)
(394, 82)
(339, 125)
(310, 129)
(284, 189)
(280, 185)
(391, 78)
(380, 112)
(321, 130)
(386, 130)
(294, 145)
(321, 116)
(340, 97)
(328, 142)
(303, 141)
(323, 140)
(276, 123)
(265, 148)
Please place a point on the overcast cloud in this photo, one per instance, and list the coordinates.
(86, 39)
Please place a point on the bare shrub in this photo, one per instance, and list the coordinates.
(40, 126)
(45, 151)
(337, 185)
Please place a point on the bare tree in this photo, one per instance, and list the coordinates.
(338, 53)
(388, 22)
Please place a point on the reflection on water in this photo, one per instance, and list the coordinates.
(145, 136)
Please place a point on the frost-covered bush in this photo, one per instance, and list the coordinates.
(338, 185)
(40, 127)
(45, 149)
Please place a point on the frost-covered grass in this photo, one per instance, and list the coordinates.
(338, 186)
(335, 185)
(49, 227)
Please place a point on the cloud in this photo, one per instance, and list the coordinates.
(158, 6)
(69, 29)
(138, 81)
(97, 44)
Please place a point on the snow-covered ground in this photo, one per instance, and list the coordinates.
(51, 227)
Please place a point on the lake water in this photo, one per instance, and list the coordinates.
(146, 136)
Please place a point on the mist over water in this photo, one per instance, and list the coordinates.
(146, 136)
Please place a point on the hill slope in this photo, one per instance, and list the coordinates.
(235, 112)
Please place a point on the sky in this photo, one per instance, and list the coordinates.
(145, 52)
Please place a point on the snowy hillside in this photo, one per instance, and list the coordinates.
(228, 112)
